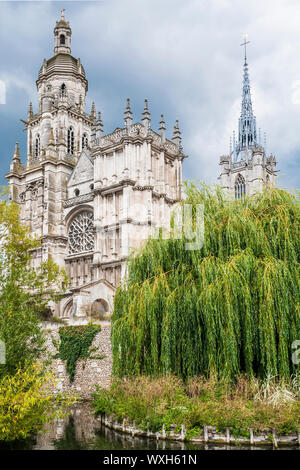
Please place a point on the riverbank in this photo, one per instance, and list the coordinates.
(248, 411)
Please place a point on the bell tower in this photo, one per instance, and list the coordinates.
(62, 35)
(57, 132)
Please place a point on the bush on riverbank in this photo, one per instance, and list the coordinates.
(245, 403)
(27, 404)
(230, 307)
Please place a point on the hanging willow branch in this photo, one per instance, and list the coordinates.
(231, 307)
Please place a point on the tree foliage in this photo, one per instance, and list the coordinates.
(231, 307)
(25, 291)
(26, 404)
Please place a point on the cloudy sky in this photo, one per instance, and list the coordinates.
(183, 55)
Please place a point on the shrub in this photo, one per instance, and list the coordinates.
(26, 404)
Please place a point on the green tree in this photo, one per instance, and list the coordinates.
(230, 307)
(25, 291)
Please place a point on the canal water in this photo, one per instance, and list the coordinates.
(82, 431)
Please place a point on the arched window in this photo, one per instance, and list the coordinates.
(81, 233)
(37, 147)
(268, 181)
(240, 187)
(62, 40)
(84, 141)
(70, 141)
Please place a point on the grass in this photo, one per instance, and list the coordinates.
(246, 403)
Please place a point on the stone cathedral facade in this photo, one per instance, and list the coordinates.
(247, 169)
(92, 198)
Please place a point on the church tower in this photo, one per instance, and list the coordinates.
(56, 134)
(247, 169)
(92, 198)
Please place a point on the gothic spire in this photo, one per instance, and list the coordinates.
(247, 121)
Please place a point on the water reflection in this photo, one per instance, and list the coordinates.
(82, 431)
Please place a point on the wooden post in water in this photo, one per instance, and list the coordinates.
(275, 442)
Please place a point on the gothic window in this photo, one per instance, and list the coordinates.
(240, 187)
(37, 148)
(81, 233)
(62, 40)
(71, 141)
(84, 141)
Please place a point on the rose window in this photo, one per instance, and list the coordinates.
(81, 233)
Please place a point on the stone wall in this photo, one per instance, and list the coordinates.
(88, 372)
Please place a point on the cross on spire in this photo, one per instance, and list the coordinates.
(245, 37)
(63, 13)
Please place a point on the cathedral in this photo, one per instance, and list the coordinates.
(93, 198)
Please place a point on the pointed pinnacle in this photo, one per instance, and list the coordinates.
(30, 112)
(93, 111)
(162, 129)
(128, 114)
(146, 116)
(16, 155)
(177, 135)
(162, 122)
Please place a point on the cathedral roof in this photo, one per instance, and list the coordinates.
(62, 64)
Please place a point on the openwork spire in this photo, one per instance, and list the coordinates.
(247, 122)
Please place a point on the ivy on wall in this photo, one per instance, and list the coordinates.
(75, 343)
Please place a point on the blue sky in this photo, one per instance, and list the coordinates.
(183, 55)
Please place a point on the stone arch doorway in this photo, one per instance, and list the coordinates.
(68, 309)
(100, 310)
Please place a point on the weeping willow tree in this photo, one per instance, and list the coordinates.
(228, 308)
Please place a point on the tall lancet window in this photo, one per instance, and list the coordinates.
(84, 141)
(37, 148)
(63, 90)
(62, 40)
(71, 141)
(240, 187)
